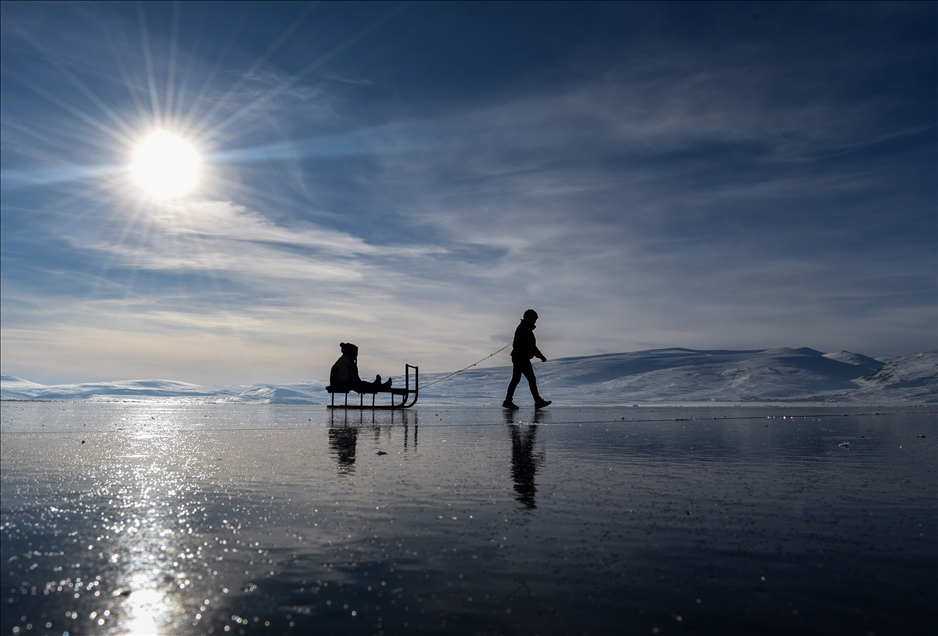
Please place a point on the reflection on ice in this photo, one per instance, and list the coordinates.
(524, 462)
(146, 609)
(155, 472)
(147, 579)
(343, 442)
(344, 429)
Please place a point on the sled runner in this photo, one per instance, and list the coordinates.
(408, 396)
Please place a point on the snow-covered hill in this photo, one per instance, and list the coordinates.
(13, 388)
(674, 376)
(659, 376)
(915, 376)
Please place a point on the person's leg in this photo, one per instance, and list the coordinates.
(528, 371)
(365, 387)
(516, 372)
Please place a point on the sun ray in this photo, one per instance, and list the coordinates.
(191, 120)
(148, 61)
(212, 112)
(171, 70)
(88, 119)
(127, 77)
(17, 179)
(240, 114)
(87, 92)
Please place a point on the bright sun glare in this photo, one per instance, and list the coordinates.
(166, 165)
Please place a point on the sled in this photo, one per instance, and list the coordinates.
(408, 396)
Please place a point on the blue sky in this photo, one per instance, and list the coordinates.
(412, 177)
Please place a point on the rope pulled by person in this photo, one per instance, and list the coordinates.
(446, 377)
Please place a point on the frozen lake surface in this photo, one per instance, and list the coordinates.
(227, 519)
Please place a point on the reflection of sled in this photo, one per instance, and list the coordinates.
(408, 395)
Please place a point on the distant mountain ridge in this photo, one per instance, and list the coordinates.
(657, 376)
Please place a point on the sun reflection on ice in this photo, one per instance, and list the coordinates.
(152, 549)
(147, 607)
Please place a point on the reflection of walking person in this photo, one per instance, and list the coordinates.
(524, 463)
(524, 347)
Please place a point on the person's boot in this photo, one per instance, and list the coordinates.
(508, 404)
(541, 403)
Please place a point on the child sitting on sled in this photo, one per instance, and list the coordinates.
(344, 375)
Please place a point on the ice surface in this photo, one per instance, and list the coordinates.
(660, 376)
(260, 519)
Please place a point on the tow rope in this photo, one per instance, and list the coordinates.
(446, 377)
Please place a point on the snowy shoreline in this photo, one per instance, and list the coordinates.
(686, 377)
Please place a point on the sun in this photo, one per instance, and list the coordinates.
(166, 165)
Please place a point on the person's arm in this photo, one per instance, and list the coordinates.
(535, 350)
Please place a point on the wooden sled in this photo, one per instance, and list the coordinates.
(408, 396)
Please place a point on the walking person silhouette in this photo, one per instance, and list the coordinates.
(524, 347)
